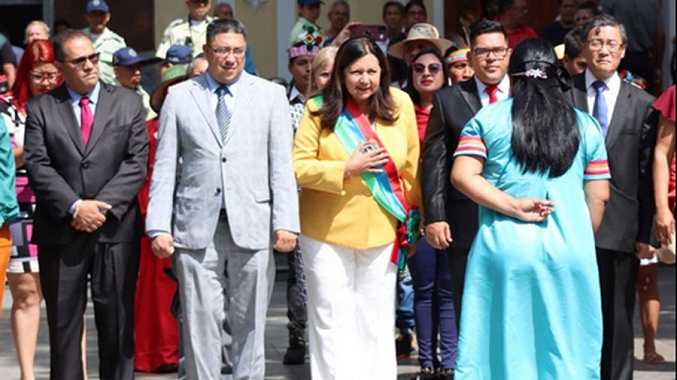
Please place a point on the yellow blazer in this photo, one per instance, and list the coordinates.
(343, 211)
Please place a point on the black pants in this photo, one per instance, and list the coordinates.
(113, 270)
(297, 311)
(617, 275)
(458, 260)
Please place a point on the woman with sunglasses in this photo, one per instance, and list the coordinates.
(36, 75)
(433, 302)
(356, 155)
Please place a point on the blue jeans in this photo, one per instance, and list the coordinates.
(404, 320)
(434, 307)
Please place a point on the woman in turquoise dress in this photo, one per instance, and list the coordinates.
(537, 167)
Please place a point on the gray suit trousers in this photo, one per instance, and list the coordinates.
(202, 282)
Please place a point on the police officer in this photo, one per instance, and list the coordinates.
(105, 41)
(127, 65)
(191, 31)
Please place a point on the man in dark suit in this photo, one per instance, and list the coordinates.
(628, 123)
(86, 153)
(450, 217)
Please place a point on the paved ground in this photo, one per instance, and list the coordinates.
(276, 342)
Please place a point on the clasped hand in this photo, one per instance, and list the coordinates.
(90, 215)
(533, 209)
(367, 161)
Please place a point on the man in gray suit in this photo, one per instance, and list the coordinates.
(235, 193)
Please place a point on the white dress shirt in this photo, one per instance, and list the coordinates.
(502, 93)
(610, 93)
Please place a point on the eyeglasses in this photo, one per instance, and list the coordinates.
(613, 45)
(483, 53)
(93, 58)
(38, 77)
(433, 68)
(224, 50)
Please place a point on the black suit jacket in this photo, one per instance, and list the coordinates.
(111, 168)
(452, 108)
(628, 216)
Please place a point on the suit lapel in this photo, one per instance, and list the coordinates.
(244, 98)
(581, 96)
(623, 103)
(200, 93)
(103, 113)
(68, 119)
(470, 95)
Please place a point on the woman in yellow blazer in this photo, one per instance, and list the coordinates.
(358, 128)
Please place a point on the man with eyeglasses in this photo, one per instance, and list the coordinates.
(234, 202)
(450, 217)
(628, 122)
(106, 42)
(225, 11)
(190, 31)
(86, 153)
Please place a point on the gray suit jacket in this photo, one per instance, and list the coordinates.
(251, 174)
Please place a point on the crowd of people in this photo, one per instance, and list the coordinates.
(496, 197)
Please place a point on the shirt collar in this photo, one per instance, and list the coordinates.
(612, 82)
(295, 94)
(503, 85)
(213, 84)
(93, 95)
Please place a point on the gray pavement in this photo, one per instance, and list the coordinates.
(276, 341)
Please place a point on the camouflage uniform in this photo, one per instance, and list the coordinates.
(106, 44)
(180, 32)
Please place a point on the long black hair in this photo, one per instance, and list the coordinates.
(545, 135)
(413, 94)
(335, 95)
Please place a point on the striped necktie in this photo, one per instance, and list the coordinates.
(223, 114)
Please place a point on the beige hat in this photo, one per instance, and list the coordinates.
(420, 31)
(171, 76)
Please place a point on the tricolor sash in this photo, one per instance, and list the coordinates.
(353, 128)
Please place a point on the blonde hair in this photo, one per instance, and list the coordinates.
(41, 23)
(325, 54)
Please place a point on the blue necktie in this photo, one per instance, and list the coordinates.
(599, 110)
(223, 114)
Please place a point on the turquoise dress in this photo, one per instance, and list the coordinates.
(531, 302)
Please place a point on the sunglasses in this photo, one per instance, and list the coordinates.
(433, 68)
(93, 58)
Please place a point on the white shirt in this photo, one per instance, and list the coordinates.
(610, 93)
(502, 93)
(296, 94)
(214, 97)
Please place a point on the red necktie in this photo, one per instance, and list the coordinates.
(86, 119)
(492, 90)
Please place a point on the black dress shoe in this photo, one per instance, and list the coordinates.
(167, 368)
(295, 355)
(426, 373)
